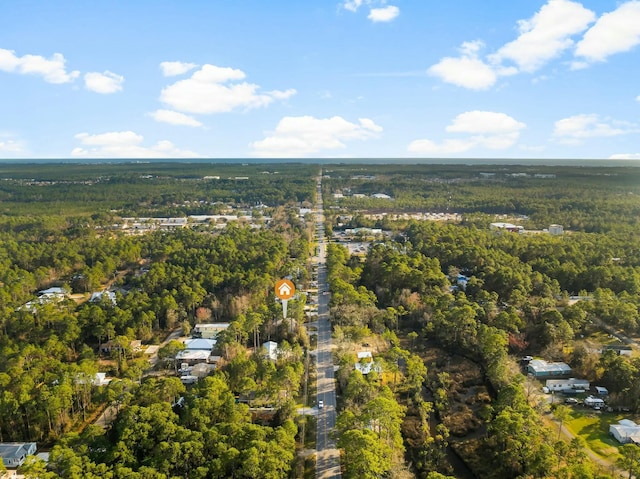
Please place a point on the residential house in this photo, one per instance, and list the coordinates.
(201, 344)
(108, 295)
(57, 294)
(111, 345)
(193, 356)
(507, 227)
(625, 431)
(197, 350)
(13, 454)
(542, 369)
(568, 385)
(366, 364)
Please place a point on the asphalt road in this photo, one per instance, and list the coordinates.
(327, 455)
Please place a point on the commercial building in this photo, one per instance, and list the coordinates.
(542, 369)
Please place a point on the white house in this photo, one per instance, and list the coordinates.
(365, 363)
(52, 293)
(13, 454)
(97, 297)
(625, 431)
(192, 356)
(571, 384)
(197, 350)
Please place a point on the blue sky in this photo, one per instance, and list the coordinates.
(338, 79)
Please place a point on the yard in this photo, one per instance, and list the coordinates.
(594, 429)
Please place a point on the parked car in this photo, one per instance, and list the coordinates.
(545, 390)
(571, 401)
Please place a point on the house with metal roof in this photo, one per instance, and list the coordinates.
(625, 431)
(542, 369)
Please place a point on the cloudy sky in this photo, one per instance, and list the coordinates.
(320, 78)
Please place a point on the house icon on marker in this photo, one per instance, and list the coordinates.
(285, 289)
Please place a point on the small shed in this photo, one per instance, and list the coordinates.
(600, 391)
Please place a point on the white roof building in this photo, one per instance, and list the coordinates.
(97, 297)
(365, 363)
(625, 431)
(199, 344)
(193, 356)
(571, 384)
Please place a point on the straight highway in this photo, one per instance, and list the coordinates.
(327, 454)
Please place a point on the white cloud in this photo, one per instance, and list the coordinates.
(638, 98)
(484, 122)
(488, 129)
(125, 144)
(305, 135)
(541, 38)
(170, 69)
(52, 70)
(614, 32)
(104, 83)
(466, 71)
(575, 128)
(282, 95)
(214, 89)
(174, 118)
(625, 156)
(10, 146)
(378, 10)
(352, 5)
(384, 14)
(546, 35)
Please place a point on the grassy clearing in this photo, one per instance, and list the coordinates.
(594, 429)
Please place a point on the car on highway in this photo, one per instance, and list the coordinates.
(320, 404)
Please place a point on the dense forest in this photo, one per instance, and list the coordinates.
(516, 298)
(62, 231)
